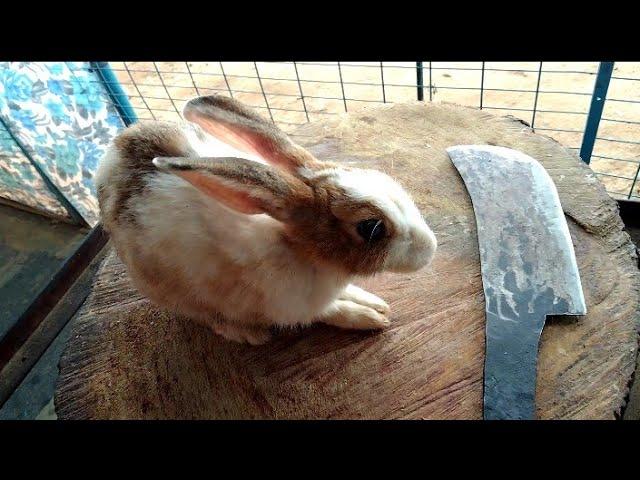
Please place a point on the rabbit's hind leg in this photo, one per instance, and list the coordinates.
(251, 334)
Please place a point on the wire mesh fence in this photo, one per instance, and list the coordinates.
(552, 97)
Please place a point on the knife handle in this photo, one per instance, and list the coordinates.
(511, 366)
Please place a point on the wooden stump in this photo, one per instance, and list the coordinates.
(127, 359)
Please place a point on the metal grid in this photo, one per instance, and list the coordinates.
(556, 99)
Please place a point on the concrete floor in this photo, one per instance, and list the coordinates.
(33, 399)
(32, 250)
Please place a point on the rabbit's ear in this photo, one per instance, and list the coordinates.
(239, 126)
(243, 185)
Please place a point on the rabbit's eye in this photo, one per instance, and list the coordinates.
(371, 230)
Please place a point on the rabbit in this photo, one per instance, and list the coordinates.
(225, 220)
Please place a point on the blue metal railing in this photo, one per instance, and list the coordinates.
(118, 96)
(598, 98)
(420, 81)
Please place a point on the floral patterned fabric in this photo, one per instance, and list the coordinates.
(63, 118)
(20, 181)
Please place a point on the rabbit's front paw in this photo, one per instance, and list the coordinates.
(362, 297)
(355, 316)
(243, 333)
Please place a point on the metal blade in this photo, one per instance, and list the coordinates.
(528, 267)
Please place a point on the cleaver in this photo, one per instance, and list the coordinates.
(528, 265)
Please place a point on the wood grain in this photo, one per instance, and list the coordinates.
(127, 359)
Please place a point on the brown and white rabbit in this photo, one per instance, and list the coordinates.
(225, 220)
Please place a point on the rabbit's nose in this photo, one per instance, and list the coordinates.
(424, 238)
(424, 246)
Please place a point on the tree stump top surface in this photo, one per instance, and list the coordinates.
(128, 359)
